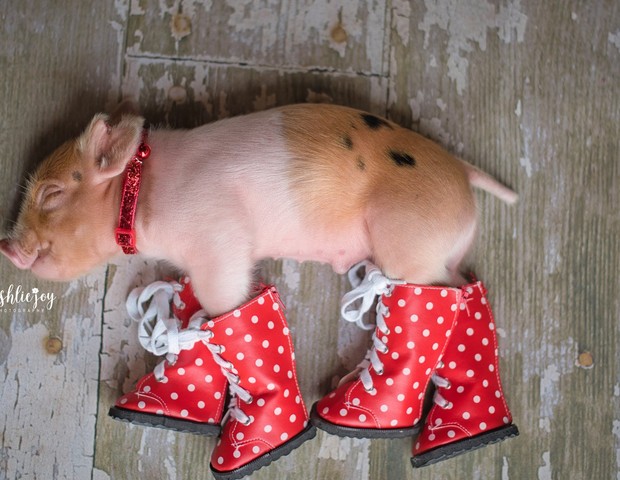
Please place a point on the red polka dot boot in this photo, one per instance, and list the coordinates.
(470, 410)
(187, 390)
(267, 417)
(385, 395)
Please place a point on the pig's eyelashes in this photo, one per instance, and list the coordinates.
(50, 196)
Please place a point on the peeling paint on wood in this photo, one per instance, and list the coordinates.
(51, 390)
(466, 24)
(270, 32)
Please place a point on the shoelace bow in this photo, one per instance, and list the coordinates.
(159, 333)
(373, 284)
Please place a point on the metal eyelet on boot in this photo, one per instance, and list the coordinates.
(385, 311)
(389, 291)
(372, 391)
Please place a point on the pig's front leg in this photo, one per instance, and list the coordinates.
(222, 283)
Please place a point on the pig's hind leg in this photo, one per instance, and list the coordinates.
(420, 248)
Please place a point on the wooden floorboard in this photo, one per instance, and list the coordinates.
(528, 91)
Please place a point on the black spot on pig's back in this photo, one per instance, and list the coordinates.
(401, 159)
(374, 123)
(347, 142)
(361, 163)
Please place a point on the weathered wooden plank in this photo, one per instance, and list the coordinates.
(187, 93)
(344, 36)
(49, 382)
(53, 76)
(515, 87)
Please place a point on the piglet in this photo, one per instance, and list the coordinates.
(308, 182)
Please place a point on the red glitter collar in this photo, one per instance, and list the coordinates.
(125, 232)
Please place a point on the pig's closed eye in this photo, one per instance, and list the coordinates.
(50, 196)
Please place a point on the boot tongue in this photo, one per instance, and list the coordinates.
(351, 375)
(184, 302)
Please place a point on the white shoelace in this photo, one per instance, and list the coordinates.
(159, 333)
(441, 382)
(374, 284)
(150, 306)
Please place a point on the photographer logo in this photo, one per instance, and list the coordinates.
(16, 299)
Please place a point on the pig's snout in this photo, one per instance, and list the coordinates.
(15, 254)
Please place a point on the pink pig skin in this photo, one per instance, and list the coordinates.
(307, 182)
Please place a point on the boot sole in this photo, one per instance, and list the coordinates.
(353, 432)
(445, 452)
(307, 434)
(160, 421)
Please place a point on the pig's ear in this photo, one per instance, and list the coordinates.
(107, 148)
